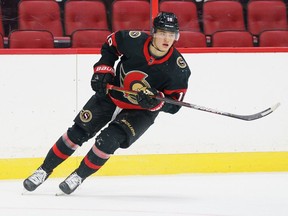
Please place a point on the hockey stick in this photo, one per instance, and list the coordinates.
(202, 108)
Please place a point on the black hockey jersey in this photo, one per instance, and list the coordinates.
(137, 68)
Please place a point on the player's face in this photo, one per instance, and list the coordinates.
(164, 39)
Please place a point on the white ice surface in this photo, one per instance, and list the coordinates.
(250, 194)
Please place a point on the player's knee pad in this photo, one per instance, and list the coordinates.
(110, 139)
(78, 135)
(134, 124)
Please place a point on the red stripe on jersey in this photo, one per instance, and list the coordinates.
(58, 153)
(177, 94)
(90, 164)
(170, 92)
(124, 105)
(150, 59)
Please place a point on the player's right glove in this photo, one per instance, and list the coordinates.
(103, 74)
(146, 100)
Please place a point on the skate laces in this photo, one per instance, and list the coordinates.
(38, 176)
(73, 180)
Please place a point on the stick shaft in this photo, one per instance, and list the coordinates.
(202, 108)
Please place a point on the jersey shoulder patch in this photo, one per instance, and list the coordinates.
(181, 62)
(134, 34)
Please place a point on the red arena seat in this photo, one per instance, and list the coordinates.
(266, 15)
(232, 39)
(273, 38)
(84, 15)
(40, 15)
(130, 15)
(191, 39)
(31, 39)
(1, 41)
(89, 38)
(186, 12)
(222, 15)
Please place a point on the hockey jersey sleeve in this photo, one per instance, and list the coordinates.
(109, 52)
(172, 108)
(178, 84)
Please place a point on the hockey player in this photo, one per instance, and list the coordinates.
(149, 65)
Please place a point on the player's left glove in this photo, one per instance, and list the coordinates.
(146, 100)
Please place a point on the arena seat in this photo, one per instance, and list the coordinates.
(130, 15)
(30, 39)
(222, 15)
(232, 39)
(266, 15)
(186, 12)
(89, 38)
(84, 15)
(40, 15)
(1, 41)
(190, 39)
(273, 38)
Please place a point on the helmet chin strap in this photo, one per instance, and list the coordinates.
(156, 47)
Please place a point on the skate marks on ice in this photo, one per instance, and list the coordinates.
(261, 194)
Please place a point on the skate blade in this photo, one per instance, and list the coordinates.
(25, 192)
(61, 193)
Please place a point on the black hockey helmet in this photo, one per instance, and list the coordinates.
(166, 21)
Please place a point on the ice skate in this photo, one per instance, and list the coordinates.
(70, 183)
(36, 179)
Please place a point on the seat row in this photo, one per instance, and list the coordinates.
(220, 15)
(233, 38)
(188, 39)
(135, 14)
(216, 15)
(78, 14)
(45, 39)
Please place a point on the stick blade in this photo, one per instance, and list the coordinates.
(258, 115)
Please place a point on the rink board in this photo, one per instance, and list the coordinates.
(159, 164)
(42, 91)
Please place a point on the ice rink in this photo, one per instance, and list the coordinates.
(248, 194)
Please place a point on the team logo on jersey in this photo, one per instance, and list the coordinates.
(85, 115)
(134, 34)
(180, 62)
(133, 80)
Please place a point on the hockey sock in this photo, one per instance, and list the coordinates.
(92, 162)
(60, 151)
(106, 143)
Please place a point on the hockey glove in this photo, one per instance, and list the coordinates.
(100, 78)
(146, 100)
